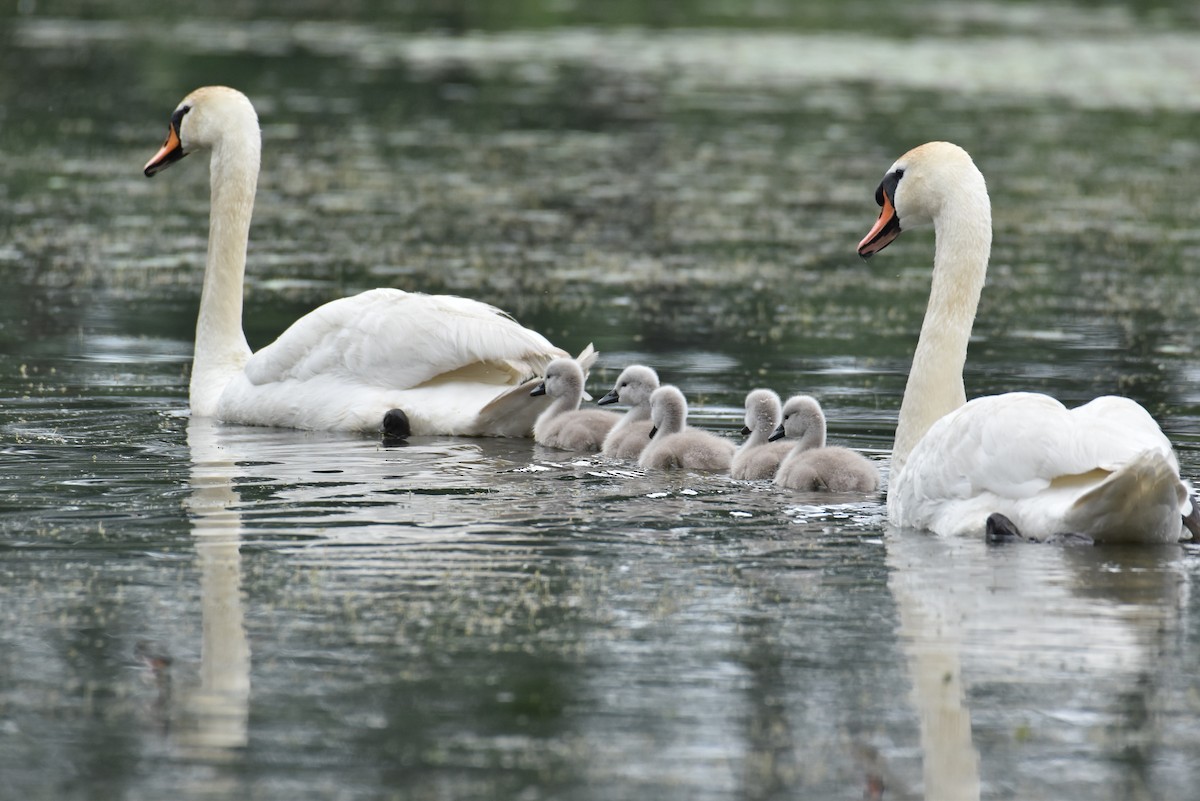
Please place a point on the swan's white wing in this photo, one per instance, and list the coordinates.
(1026, 440)
(455, 366)
(1021, 454)
(392, 339)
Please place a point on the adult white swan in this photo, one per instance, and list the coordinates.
(1104, 469)
(452, 365)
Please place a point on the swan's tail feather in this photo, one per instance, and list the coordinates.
(1140, 502)
(513, 412)
(586, 358)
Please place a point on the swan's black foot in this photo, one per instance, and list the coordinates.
(1069, 538)
(1191, 521)
(1001, 529)
(395, 427)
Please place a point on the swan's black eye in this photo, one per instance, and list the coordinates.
(888, 187)
(177, 117)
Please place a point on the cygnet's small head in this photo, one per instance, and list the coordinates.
(564, 379)
(668, 410)
(200, 121)
(918, 187)
(762, 411)
(802, 417)
(634, 386)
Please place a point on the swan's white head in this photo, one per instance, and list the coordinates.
(634, 386)
(762, 411)
(564, 379)
(668, 410)
(919, 187)
(802, 417)
(202, 120)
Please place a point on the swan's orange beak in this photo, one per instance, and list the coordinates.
(886, 228)
(169, 153)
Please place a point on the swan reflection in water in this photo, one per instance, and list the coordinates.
(216, 713)
(1046, 655)
(1021, 657)
(209, 721)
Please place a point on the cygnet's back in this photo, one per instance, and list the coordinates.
(675, 444)
(629, 437)
(811, 465)
(563, 424)
(757, 457)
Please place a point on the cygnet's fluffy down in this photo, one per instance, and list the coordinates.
(811, 465)
(629, 437)
(563, 424)
(674, 444)
(758, 458)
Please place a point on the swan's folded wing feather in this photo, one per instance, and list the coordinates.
(1015, 445)
(1127, 428)
(390, 338)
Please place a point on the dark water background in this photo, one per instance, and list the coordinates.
(193, 611)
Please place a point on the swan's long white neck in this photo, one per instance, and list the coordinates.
(221, 350)
(963, 234)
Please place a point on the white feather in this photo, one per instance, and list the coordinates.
(1104, 469)
(1047, 468)
(453, 365)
